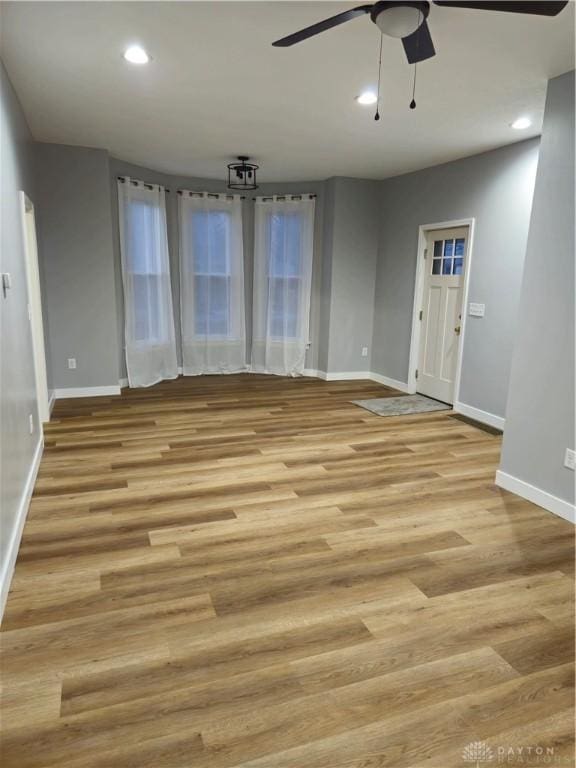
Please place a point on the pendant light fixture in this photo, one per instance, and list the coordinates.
(242, 175)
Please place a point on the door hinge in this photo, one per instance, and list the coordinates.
(420, 314)
(425, 253)
(416, 374)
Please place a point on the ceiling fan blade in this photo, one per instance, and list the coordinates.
(419, 46)
(536, 7)
(322, 26)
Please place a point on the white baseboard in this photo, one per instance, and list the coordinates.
(388, 382)
(536, 495)
(483, 416)
(357, 376)
(347, 376)
(60, 394)
(16, 535)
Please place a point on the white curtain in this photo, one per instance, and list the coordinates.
(283, 249)
(211, 283)
(149, 319)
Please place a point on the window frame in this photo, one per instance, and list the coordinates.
(227, 276)
(161, 335)
(274, 278)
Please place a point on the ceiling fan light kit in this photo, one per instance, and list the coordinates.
(399, 19)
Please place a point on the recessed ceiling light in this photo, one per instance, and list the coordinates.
(136, 55)
(521, 123)
(367, 97)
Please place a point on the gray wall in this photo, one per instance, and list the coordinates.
(17, 384)
(540, 413)
(73, 215)
(173, 183)
(350, 272)
(496, 189)
(365, 245)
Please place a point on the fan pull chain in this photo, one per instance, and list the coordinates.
(413, 102)
(377, 115)
(420, 20)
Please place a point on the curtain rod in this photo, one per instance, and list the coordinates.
(122, 180)
(209, 194)
(265, 198)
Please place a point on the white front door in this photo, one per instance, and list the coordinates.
(444, 266)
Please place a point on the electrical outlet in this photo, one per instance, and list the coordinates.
(570, 459)
(72, 363)
(364, 351)
(31, 423)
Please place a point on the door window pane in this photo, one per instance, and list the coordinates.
(449, 256)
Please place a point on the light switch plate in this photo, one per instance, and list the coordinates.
(72, 363)
(476, 310)
(570, 459)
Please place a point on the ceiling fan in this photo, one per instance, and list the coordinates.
(406, 19)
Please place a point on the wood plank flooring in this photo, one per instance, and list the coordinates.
(250, 571)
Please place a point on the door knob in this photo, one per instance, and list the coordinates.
(457, 330)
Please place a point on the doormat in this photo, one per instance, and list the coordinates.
(402, 406)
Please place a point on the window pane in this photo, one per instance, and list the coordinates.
(448, 247)
(284, 233)
(147, 310)
(458, 264)
(143, 251)
(144, 263)
(437, 249)
(284, 298)
(211, 306)
(459, 247)
(285, 238)
(436, 266)
(209, 234)
(447, 266)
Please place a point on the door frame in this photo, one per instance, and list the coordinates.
(35, 314)
(423, 231)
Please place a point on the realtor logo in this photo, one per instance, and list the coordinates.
(477, 752)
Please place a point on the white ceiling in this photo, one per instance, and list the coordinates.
(217, 88)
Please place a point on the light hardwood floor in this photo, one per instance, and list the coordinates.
(250, 571)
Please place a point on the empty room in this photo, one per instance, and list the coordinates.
(287, 436)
